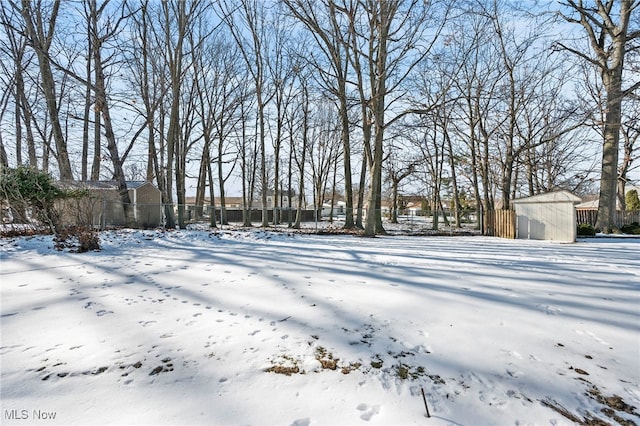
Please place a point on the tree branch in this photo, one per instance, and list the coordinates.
(631, 90)
(576, 52)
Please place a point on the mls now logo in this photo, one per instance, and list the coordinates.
(26, 415)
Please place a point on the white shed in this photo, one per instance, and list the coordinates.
(550, 216)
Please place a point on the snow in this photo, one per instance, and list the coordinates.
(264, 328)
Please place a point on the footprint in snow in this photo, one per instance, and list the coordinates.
(549, 309)
(368, 412)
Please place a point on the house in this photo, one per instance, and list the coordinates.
(230, 203)
(587, 211)
(284, 198)
(339, 209)
(414, 209)
(594, 203)
(549, 216)
(101, 205)
(236, 203)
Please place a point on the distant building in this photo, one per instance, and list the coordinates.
(235, 203)
(102, 206)
(594, 203)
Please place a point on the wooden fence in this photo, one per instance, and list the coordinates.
(626, 217)
(500, 223)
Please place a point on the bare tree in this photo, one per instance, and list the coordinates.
(14, 45)
(593, 102)
(149, 78)
(438, 102)
(429, 136)
(180, 20)
(326, 23)
(40, 19)
(103, 29)
(297, 120)
(4, 101)
(477, 85)
(392, 37)
(220, 96)
(400, 165)
(104, 24)
(281, 66)
(612, 33)
(248, 24)
(323, 145)
(523, 71)
(248, 147)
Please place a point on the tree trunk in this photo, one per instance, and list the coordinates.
(454, 181)
(346, 159)
(212, 196)
(394, 196)
(374, 215)
(221, 190)
(40, 41)
(112, 146)
(609, 171)
(87, 111)
(361, 193)
(203, 179)
(302, 161)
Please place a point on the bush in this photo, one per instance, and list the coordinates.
(586, 229)
(33, 199)
(633, 229)
(631, 200)
(78, 239)
(26, 188)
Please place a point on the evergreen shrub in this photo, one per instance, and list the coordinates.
(586, 229)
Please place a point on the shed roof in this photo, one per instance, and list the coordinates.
(551, 197)
(135, 184)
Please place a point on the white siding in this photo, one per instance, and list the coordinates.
(549, 216)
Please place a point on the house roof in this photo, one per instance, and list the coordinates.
(216, 200)
(103, 184)
(550, 197)
(594, 204)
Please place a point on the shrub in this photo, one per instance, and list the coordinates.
(586, 229)
(26, 188)
(631, 200)
(79, 239)
(34, 199)
(633, 229)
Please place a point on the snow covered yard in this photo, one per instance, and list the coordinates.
(261, 328)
